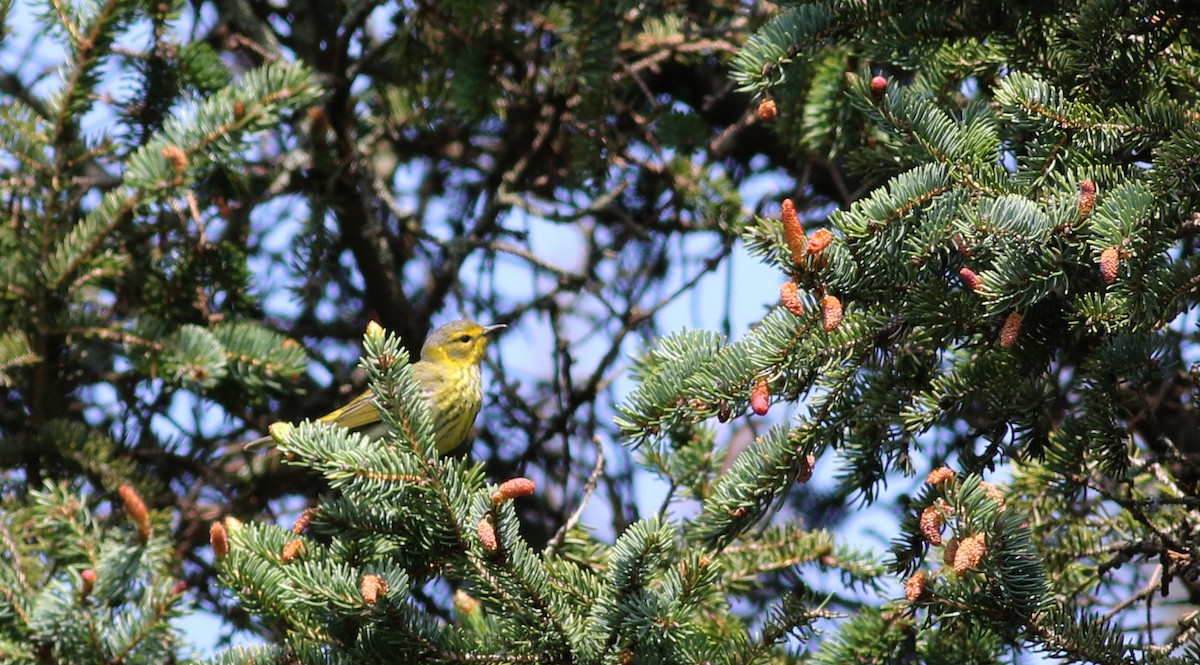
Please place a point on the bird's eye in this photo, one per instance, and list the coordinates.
(464, 339)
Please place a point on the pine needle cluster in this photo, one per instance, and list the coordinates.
(1019, 290)
(87, 582)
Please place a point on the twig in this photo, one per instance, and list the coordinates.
(588, 488)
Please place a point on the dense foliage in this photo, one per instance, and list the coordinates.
(985, 338)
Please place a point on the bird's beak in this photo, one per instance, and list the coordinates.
(490, 329)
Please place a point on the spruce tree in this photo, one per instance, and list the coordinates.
(205, 203)
(1002, 326)
(85, 582)
(985, 330)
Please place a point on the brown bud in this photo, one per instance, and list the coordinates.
(970, 552)
(793, 232)
(178, 588)
(175, 155)
(818, 240)
(136, 508)
(932, 521)
(1010, 331)
(950, 551)
(89, 580)
(219, 539)
(302, 522)
(878, 86)
(320, 123)
(239, 109)
(939, 475)
(760, 396)
(199, 374)
(372, 587)
(724, 413)
(831, 313)
(465, 604)
(789, 296)
(806, 467)
(767, 110)
(738, 513)
(487, 534)
(970, 279)
(1087, 197)
(291, 550)
(1110, 263)
(994, 493)
(513, 489)
(916, 586)
(961, 245)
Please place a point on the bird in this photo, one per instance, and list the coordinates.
(450, 378)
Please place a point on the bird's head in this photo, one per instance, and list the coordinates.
(458, 343)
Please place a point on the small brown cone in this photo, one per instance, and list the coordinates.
(1110, 263)
(961, 245)
(465, 604)
(372, 587)
(767, 110)
(89, 580)
(831, 313)
(1010, 331)
(487, 534)
(178, 159)
(970, 552)
(513, 489)
(291, 550)
(916, 586)
(932, 520)
(793, 232)
(994, 493)
(818, 240)
(760, 396)
(970, 279)
(302, 522)
(950, 551)
(939, 475)
(807, 463)
(320, 122)
(179, 587)
(1087, 197)
(136, 508)
(878, 86)
(219, 539)
(789, 296)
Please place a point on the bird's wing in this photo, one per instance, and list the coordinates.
(360, 412)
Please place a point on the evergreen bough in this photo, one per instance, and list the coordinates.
(1014, 282)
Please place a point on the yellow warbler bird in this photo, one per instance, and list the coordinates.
(449, 375)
